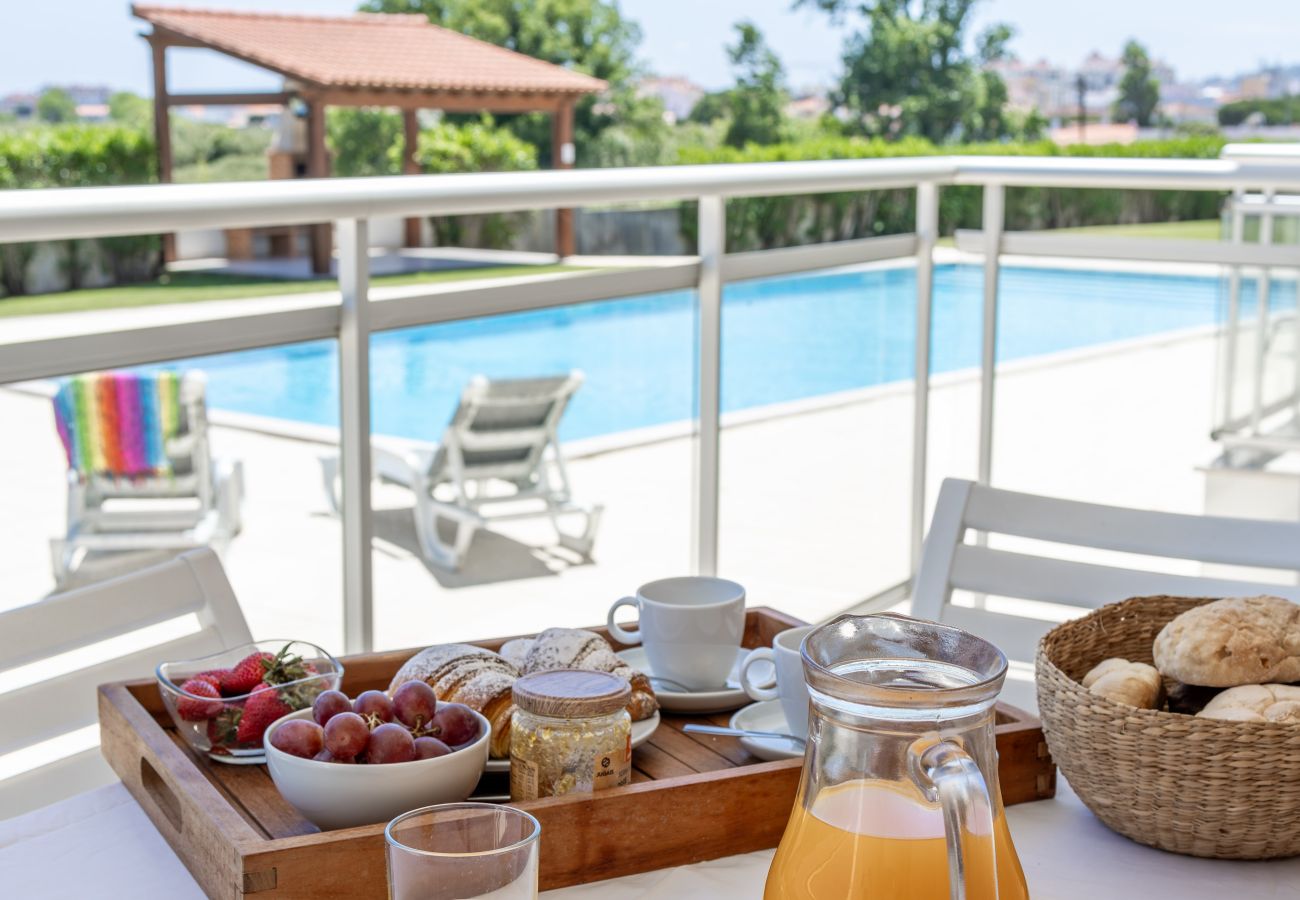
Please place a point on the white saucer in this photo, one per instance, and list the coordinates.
(641, 732)
(722, 699)
(766, 715)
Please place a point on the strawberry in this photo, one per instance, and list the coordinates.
(261, 708)
(194, 708)
(222, 728)
(214, 676)
(246, 675)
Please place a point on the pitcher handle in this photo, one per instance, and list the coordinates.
(945, 772)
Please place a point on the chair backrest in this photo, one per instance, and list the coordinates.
(948, 563)
(502, 427)
(126, 424)
(52, 698)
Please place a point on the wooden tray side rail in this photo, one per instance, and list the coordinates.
(240, 838)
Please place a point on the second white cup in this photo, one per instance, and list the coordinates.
(691, 628)
(790, 687)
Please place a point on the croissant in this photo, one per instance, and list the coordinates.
(573, 648)
(462, 673)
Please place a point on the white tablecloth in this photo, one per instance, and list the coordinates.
(100, 844)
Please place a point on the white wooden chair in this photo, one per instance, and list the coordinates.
(949, 563)
(499, 460)
(52, 703)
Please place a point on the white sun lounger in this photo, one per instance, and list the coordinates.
(194, 503)
(499, 460)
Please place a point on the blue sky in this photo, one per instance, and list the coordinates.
(95, 41)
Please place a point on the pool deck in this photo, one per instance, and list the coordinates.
(815, 499)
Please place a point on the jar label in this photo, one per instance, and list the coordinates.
(523, 778)
(612, 769)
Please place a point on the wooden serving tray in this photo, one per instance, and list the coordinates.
(692, 798)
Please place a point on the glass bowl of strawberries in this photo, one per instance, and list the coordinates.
(223, 703)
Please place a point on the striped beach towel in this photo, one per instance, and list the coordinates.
(118, 423)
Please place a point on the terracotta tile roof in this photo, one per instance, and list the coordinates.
(368, 50)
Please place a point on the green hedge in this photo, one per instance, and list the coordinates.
(764, 222)
(1274, 110)
(78, 156)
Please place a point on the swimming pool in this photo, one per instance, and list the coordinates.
(784, 339)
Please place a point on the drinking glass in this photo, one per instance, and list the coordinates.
(456, 851)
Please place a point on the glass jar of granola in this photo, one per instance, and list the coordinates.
(570, 732)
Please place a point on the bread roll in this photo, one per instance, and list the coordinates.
(1236, 641)
(1278, 703)
(463, 673)
(573, 648)
(1131, 683)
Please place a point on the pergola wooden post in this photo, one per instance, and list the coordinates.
(162, 132)
(562, 157)
(410, 166)
(322, 240)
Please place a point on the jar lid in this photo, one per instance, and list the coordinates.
(571, 693)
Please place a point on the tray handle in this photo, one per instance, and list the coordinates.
(156, 787)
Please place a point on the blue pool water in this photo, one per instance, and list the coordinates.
(784, 339)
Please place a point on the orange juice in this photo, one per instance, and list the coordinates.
(871, 840)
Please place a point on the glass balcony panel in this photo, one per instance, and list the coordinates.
(269, 410)
(628, 445)
(817, 438)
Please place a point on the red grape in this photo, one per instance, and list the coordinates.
(329, 704)
(414, 704)
(428, 748)
(346, 735)
(298, 737)
(455, 724)
(390, 743)
(326, 756)
(374, 707)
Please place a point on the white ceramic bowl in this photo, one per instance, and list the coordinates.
(335, 795)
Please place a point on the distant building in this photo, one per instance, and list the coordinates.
(678, 95)
(810, 107)
(20, 106)
(84, 94)
(92, 112)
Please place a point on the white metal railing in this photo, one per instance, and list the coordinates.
(356, 311)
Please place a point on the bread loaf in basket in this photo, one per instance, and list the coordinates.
(1197, 786)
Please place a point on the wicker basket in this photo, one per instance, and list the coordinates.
(1201, 787)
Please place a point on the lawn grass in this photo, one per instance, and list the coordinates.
(1193, 230)
(194, 287)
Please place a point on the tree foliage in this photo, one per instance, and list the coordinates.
(364, 141)
(126, 108)
(757, 102)
(589, 36)
(907, 70)
(1139, 91)
(56, 106)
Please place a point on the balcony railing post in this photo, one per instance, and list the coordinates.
(992, 224)
(712, 246)
(1261, 321)
(927, 230)
(1237, 234)
(354, 433)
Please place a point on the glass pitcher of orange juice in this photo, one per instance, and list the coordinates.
(899, 796)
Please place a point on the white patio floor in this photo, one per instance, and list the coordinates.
(814, 501)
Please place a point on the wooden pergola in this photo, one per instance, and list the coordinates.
(376, 60)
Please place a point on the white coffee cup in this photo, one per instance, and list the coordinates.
(790, 687)
(691, 628)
